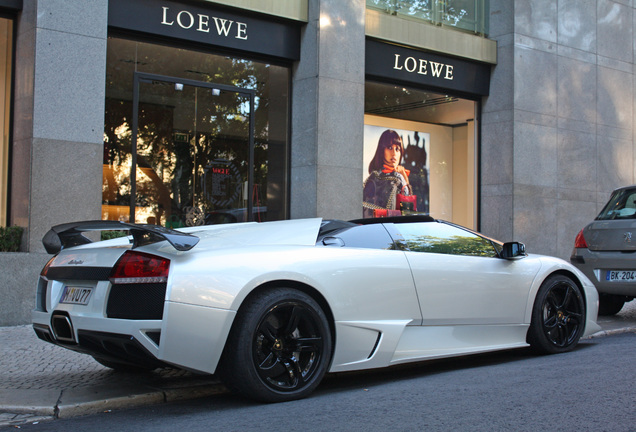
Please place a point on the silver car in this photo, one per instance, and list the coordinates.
(605, 250)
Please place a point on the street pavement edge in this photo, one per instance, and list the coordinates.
(20, 406)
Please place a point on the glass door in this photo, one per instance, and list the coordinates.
(192, 152)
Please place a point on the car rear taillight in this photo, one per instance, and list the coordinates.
(138, 267)
(580, 242)
(45, 270)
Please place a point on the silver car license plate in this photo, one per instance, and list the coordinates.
(76, 295)
(620, 276)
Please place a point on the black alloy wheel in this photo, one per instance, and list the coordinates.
(558, 316)
(279, 348)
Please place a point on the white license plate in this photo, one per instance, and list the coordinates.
(620, 276)
(76, 295)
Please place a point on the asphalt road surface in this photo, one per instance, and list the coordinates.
(589, 389)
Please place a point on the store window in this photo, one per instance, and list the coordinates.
(419, 154)
(465, 15)
(193, 138)
(6, 67)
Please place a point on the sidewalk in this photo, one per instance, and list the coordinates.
(40, 381)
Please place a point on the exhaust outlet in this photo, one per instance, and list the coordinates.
(62, 328)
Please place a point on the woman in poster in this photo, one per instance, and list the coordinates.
(388, 181)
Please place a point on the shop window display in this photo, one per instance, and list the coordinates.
(419, 154)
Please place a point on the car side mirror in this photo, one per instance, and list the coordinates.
(513, 250)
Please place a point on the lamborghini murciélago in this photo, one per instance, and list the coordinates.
(271, 307)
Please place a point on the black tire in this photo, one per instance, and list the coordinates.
(123, 367)
(279, 347)
(558, 316)
(609, 304)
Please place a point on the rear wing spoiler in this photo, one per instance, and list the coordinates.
(70, 234)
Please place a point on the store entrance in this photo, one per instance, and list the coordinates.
(211, 136)
(192, 152)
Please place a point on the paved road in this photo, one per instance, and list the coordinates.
(39, 381)
(588, 389)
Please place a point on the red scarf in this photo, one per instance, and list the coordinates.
(389, 169)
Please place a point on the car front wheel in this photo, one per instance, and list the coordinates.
(279, 347)
(558, 316)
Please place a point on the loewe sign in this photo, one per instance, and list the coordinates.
(400, 64)
(203, 23)
(422, 67)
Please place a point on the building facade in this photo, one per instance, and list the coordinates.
(513, 117)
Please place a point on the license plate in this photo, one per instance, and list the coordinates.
(76, 295)
(620, 276)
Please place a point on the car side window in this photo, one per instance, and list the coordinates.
(441, 238)
(373, 236)
(622, 205)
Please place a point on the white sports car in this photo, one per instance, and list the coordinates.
(271, 307)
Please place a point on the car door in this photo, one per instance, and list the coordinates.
(460, 278)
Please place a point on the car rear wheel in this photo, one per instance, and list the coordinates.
(558, 316)
(279, 348)
(609, 304)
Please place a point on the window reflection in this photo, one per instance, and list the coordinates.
(192, 140)
(372, 236)
(468, 15)
(622, 205)
(434, 237)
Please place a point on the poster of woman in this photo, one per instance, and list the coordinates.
(396, 170)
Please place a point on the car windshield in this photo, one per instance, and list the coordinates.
(622, 205)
